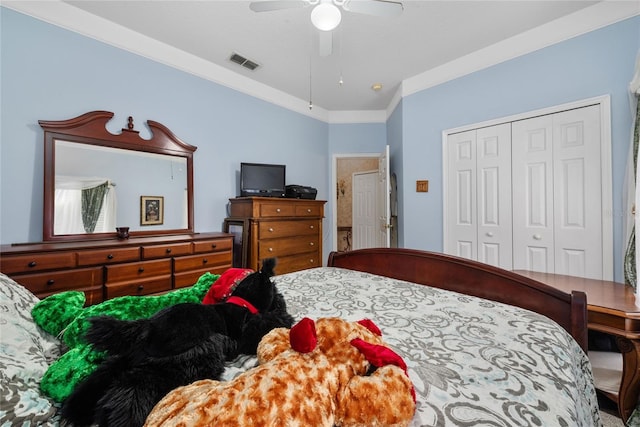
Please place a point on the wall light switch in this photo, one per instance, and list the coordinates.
(422, 186)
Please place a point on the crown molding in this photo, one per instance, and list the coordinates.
(581, 22)
(71, 18)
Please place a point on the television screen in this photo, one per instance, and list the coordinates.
(259, 179)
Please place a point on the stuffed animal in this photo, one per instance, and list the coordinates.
(147, 358)
(330, 372)
(65, 316)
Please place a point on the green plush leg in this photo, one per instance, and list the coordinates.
(68, 371)
(64, 313)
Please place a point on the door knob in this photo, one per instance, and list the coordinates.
(489, 234)
(537, 237)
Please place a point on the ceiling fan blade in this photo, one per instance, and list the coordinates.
(325, 47)
(269, 5)
(374, 7)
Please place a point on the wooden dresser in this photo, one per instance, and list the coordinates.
(287, 229)
(105, 269)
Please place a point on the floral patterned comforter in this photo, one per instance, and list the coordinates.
(473, 362)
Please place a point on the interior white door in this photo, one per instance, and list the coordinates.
(365, 221)
(479, 168)
(577, 194)
(461, 234)
(384, 200)
(493, 165)
(532, 180)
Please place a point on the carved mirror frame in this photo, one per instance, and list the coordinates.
(90, 128)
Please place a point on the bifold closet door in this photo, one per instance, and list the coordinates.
(557, 197)
(479, 195)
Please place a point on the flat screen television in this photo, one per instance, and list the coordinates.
(261, 179)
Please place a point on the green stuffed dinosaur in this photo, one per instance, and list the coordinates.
(65, 316)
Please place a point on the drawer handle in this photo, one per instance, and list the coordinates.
(311, 227)
(278, 210)
(50, 282)
(309, 210)
(168, 250)
(270, 230)
(110, 256)
(213, 245)
(141, 270)
(270, 249)
(204, 260)
(311, 244)
(311, 261)
(32, 264)
(140, 287)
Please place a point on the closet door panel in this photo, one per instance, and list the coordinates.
(532, 192)
(494, 195)
(578, 195)
(462, 233)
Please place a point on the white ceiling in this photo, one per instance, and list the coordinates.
(367, 49)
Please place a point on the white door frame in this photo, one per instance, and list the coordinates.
(334, 185)
(605, 155)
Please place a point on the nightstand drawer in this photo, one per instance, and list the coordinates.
(139, 287)
(108, 256)
(137, 270)
(58, 281)
(276, 229)
(216, 245)
(284, 247)
(203, 262)
(36, 262)
(162, 251)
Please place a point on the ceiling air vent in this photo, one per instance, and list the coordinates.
(241, 60)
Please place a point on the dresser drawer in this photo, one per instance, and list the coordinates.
(277, 209)
(182, 280)
(309, 210)
(203, 262)
(139, 287)
(288, 264)
(36, 262)
(163, 251)
(283, 247)
(216, 245)
(108, 256)
(276, 229)
(58, 281)
(142, 270)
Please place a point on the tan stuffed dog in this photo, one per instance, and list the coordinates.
(312, 375)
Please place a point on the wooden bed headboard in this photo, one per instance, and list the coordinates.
(472, 278)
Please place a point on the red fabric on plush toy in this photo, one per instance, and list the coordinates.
(224, 286)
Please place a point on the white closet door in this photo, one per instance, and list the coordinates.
(532, 180)
(557, 199)
(577, 195)
(461, 234)
(494, 195)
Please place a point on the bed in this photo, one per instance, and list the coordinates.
(483, 346)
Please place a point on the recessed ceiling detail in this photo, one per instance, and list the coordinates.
(241, 60)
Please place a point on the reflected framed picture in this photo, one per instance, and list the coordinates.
(151, 210)
(240, 230)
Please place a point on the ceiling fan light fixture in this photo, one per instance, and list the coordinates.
(325, 16)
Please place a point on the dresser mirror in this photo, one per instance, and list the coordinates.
(96, 181)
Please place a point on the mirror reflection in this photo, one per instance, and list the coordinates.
(100, 188)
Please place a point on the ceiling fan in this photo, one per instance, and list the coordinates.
(326, 15)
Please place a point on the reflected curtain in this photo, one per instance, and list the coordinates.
(92, 200)
(68, 205)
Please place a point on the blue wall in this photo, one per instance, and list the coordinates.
(53, 74)
(598, 63)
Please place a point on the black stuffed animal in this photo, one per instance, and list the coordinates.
(147, 358)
